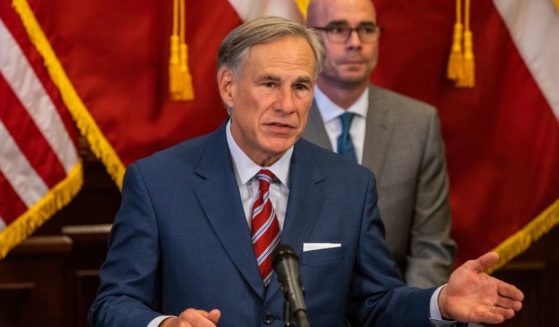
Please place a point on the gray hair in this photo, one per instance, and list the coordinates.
(234, 48)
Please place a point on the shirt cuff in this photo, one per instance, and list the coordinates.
(435, 313)
(157, 320)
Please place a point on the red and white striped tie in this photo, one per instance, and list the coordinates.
(265, 229)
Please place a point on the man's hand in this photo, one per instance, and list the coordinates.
(473, 296)
(193, 318)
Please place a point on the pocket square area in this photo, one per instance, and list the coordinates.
(319, 246)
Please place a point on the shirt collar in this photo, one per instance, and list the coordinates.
(246, 169)
(330, 111)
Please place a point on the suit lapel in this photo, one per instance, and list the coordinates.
(378, 132)
(218, 194)
(315, 130)
(306, 198)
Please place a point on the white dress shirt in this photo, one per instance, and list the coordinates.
(245, 172)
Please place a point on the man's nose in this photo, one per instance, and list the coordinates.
(285, 100)
(354, 40)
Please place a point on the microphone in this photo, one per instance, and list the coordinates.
(286, 265)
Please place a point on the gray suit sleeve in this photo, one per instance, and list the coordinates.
(432, 250)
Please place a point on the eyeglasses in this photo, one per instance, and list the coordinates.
(368, 33)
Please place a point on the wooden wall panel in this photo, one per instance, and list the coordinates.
(35, 276)
(14, 299)
(535, 273)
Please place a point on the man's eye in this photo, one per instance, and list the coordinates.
(367, 29)
(337, 29)
(270, 84)
(301, 87)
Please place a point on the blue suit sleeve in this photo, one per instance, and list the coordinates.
(379, 297)
(128, 278)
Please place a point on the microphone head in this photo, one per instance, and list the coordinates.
(286, 266)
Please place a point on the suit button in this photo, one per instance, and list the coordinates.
(268, 319)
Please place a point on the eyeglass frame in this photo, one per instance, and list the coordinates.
(328, 30)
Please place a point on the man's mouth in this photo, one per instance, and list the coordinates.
(351, 62)
(280, 127)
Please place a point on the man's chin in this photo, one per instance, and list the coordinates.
(352, 76)
(280, 144)
(353, 82)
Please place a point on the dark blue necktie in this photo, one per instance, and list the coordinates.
(345, 145)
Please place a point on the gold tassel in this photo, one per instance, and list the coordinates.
(175, 80)
(174, 64)
(454, 70)
(180, 80)
(187, 91)
(556, 4)
(468, 79)
(303, 6)
(461, 65)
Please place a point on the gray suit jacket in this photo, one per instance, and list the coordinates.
(405, 150)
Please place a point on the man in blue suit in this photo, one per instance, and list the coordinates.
(182, 250)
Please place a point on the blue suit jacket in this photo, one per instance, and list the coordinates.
(180, 240)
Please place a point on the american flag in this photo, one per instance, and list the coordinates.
(40, 170)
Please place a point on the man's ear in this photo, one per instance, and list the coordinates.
(225, 83)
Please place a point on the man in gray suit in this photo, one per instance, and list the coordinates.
(398, 138)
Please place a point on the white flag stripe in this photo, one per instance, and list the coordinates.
(24, 179)
(2, 224)
(31, 93)
(534, 27)
(250, 9)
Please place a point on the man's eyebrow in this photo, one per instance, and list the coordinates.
(337, 22)
(345, 23)
(303, 79)
(268, 77)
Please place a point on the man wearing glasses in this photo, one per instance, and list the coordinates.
(398, 138)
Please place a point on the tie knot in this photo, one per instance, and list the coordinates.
(265, 177)
(346, 119)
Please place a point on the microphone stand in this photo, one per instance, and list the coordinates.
(286, 265)
(287, 321)
(288, 316)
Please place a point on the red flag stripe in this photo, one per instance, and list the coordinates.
(24, 179)
(11, 205)
(28, 137)
(20, 75)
